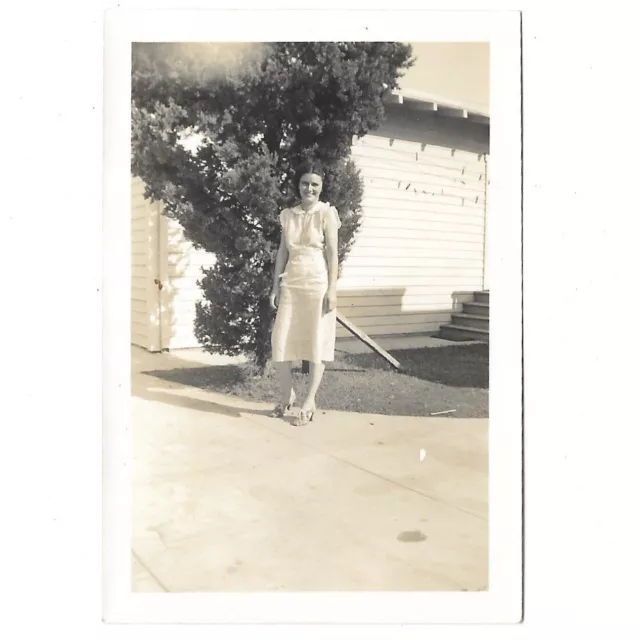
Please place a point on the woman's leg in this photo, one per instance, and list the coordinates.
(285, 379)
(316, 369)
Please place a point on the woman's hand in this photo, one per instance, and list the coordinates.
(274, 299)
(330, 300)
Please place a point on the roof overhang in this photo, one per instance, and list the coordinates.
(421, 101)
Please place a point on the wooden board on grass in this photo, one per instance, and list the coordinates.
(370, 342)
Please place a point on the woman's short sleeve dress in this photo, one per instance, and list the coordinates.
(302, 331)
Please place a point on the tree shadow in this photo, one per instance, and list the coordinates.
(463, 365)
(187, 402)
(457, 366)
(171, 383)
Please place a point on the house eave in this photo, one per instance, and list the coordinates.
(422, 101)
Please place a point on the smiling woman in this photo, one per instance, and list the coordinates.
(304, 290)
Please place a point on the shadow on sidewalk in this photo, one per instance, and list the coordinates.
(177, 396)
(161, 378)
(183, 401)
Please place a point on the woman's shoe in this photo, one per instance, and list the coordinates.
(304, 417)
(281, 408)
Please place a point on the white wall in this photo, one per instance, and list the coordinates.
(144, 317)
(422, 236)
(162, 318)
(183, 268)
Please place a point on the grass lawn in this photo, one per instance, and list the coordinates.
(433, 379)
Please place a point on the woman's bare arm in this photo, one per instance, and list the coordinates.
(281, 262)
(331, 251)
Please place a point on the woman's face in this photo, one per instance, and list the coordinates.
(310, 187)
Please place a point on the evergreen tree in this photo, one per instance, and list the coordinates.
(218, 131)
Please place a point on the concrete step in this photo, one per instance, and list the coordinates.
(481, 296)
(470, 320)
(476, 308)
(455, 332)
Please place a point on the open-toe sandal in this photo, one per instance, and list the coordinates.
(280, 409)
(304, 417)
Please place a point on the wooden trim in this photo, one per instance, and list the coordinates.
(452, 112)
(485, 255)
(165, 312)
(153, 300)
(393, 97)
(418, 105)
(412, 98)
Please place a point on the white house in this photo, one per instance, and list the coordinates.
(421, 243)
(165, 269)
(421, 248)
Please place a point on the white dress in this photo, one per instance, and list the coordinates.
(302, 331)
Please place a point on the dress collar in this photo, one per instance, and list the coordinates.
(316, 207)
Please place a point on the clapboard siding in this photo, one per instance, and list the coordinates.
(451, 282)
(377, 198)
(446, 204)
(440, 190)
(404, 149)
(462, 173)
(186, 269)
(193, 258)
(423, 291)
(138, 305)
(138, 295)
(391, 329)
(394, 244)
(428, 160)
(423, 223)
(407, 298)
(382, 155)
(445, 200)
(421, 228)
(411, 317)
(418, 235)
(401, 302)
(141, 254)
(162, 318)
(186, 287)
(186, 284)
(390, 311)
(369, 255)
(184, 264)
(409, 261)
(403, 272)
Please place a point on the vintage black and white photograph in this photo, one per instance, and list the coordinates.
(309, 309)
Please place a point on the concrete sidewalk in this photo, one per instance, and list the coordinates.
(229, 499)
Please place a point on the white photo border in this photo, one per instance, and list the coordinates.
(503, 601)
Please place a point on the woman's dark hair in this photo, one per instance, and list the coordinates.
(310, 166)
